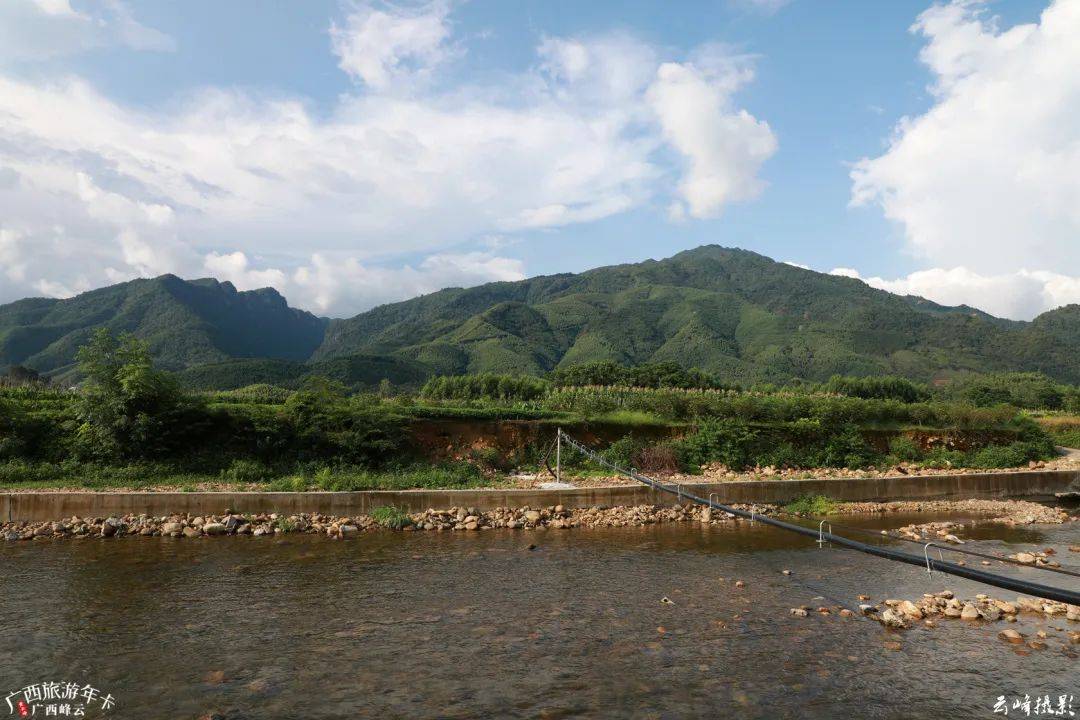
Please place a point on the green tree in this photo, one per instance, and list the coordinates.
(126, 408)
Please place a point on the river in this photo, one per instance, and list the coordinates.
(463, 625)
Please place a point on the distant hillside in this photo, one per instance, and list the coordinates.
(725, 310)
(186, 323)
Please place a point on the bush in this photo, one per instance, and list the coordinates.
(811, 505)
(621, 452)
(847, 448)
(1006, 456)
(245, 471)
(904, 449)
(886, 387)
(391, 517)
(1025, 390)
(728, 441)
(294, 483)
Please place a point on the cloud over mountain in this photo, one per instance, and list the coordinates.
(263, 187)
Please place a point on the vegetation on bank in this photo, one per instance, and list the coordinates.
(811, 505)
(131, 424)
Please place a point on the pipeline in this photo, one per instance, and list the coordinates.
(1062, 569)
(1048, 592)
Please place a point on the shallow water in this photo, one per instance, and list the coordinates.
(461, 625)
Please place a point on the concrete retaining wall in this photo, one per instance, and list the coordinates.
(56, 505)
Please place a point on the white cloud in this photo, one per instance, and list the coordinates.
(392, 45)
(724, 147)
(987, 178)
(41, 29)
(1019, 295)
(324, 282)
(765, 6)
(263, 190)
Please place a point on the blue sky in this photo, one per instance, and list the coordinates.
(354, 153)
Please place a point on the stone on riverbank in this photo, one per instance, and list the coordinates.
(1010, 635)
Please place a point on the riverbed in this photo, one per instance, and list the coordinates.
(463, 625)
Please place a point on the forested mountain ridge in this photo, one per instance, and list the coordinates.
(729, 311)
(185, 323)
(726, 310)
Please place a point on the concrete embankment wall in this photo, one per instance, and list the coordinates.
(56, 505)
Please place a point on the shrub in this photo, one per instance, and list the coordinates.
(1006, 456)
(886, 387)
(490, 458)
(728, 440)
(391, 517)
(904, 449)
(294, 483)
(811, 505)
(621, 452)
(657, 459)
(847, 448)
(245, 471)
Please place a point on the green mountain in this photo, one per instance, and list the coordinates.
(186, 323)
(726, 310)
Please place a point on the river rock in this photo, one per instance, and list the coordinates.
(1026, 558)
(172, 528)
(970, 612)
(799, 612)
(1006, 607)
(909, 609)
(214, 528)
(891, 618)
(108, 529)
(192, 532)
(532, 516)
(1010, 635)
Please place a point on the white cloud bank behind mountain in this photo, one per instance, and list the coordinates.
(263, 190)
(988, 179)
